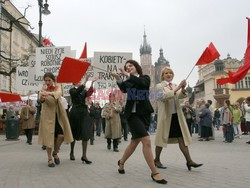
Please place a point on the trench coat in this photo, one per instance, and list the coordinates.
(28, 117)
(165, 102)
(111, 112)
(51, 107)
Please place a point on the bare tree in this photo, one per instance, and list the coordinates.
(9, 65)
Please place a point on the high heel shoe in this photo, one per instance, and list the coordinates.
(86, 161)
(162, 181)
(72, 157)
(121, 171)
(192, 164)
(56, 159)
(158, 164)
(50, 163)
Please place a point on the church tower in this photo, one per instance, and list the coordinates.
(146, 64)
(159, 65)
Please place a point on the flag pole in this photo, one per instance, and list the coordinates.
(190, 72)
(100, 69)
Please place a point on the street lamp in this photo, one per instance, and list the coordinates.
(43, 9)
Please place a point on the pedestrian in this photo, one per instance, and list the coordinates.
(206, 122)
(28, 120)
(237, 114)
(217, 118)
(137, 112)
(124, 122)
(98, 119)
(171, 125)
(54, 124)
(189, 114)
(226, 121)
(113, 130)
(91, 118)
(80, 121)
(247, 115)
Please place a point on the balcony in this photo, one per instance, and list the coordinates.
(221, 94)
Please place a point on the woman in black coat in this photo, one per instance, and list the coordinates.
(206, 123)
(79, 119)
(137, 111)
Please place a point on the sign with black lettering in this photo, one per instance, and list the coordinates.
(66, 88)
(22, 83)
(110, 62)
(49, 59)
(32, 76)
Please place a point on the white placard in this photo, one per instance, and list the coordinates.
(109, 61)
(49, 59)
(33, 77)
(66, 88)
(22, 83)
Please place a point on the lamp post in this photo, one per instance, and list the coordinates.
(43, 9)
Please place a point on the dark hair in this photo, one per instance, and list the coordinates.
(207, 105)
(209, 101)
(137, 66)
(50, 75)
(248, 99)
(228, 102)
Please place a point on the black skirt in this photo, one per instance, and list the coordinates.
(139, 125)
(175, 129)
(58, 128)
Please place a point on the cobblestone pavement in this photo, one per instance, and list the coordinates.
(225, 165)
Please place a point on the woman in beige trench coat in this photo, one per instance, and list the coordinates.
(171, 123)
(54, 125)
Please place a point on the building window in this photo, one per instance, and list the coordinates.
(243, 84)
(219, 86)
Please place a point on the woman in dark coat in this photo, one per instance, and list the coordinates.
(206, 121)
(137, 112)
(79, 118)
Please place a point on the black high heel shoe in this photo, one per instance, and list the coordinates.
(192, 164)
(121, 171)
(56, 160)
(162, 181)
(86, 161)
(72, 157)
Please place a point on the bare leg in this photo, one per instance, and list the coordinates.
(129, 151)
(49, 153)
(148, 155)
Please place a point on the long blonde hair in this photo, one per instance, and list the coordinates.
(164, 70)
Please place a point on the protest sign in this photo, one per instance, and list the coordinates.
(49, 59)
(108, 61)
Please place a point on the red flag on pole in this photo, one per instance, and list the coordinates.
(9, 97)
(234, 77)
(72, 70)
(209, 55)
(84, 52)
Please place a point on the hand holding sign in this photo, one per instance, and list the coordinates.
(124, 73)
(115, 75)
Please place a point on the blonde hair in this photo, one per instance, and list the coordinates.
(163, 72)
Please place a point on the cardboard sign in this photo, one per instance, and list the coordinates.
(110, 62)
(49, 59)
(22, 83)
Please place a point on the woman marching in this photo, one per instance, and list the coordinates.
(171, 123)
(54, 124)
(137, 110)
(80, 122)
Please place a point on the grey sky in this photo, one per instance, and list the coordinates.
(183, 28)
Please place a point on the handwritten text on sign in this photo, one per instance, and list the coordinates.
(110, 62)
(22, 83)
(49, 59)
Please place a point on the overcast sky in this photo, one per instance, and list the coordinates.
(183, 28)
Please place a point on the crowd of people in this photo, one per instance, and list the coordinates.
(175, 120)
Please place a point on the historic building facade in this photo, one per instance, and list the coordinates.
(207, 87)
(16, 43)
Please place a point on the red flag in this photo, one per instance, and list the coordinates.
(209, 55)
(234, 77)
(9, 97)
(84, 52)
(72, 70)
